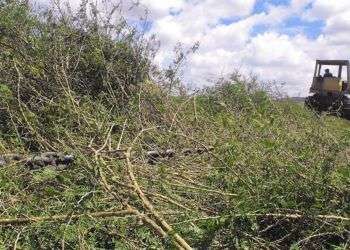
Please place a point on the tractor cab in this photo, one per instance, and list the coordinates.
(335, 84)
(330, 91)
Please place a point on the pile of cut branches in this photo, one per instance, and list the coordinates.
(227, 167)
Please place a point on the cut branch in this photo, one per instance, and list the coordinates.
(178, 239)
(60, 218)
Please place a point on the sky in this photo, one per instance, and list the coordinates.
(277, 40)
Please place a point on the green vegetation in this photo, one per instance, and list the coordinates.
(278, 175)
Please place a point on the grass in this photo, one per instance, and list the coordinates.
(277, 177)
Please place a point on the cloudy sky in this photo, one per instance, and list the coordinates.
(275, 39)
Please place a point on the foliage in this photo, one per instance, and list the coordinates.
(67, 86)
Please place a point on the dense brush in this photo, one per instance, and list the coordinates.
(261, 172)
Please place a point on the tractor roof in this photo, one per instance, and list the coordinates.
(333, 62)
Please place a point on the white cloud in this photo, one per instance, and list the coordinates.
(225, 28)
(272, 55)
(274, 50)
(324, 9)
(161, 8)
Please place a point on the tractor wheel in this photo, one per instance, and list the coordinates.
(312, 103)
(346, 108)
(307, 102)
(337, 108)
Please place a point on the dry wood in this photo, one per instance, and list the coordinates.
(275, 215)
(146, 219)
(182, 185)
(178, 239)
(64, 217)
(160, 196)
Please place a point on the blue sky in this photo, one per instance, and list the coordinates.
(262, 5)
(291, 26)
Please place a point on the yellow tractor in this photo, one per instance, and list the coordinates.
(330, 93)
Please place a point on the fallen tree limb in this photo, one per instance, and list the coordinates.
(177, 238)
(57, 160)
(298, 216)
(146, 219)
(275, 215)
(160, 196)
(181, 185)
(64, 217)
